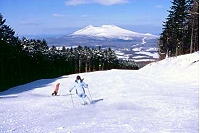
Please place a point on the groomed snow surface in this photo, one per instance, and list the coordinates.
(162, 97)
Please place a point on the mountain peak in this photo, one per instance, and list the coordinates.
(110, 31)
(89, 26)
(108, 26)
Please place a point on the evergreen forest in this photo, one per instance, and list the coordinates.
(26, 60)
(180, 33)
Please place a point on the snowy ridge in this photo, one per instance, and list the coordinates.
(181, 68)
(110, 31)
(162, 97)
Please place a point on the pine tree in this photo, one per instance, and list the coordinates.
(10, 52)
(174, 31)
(193, 26)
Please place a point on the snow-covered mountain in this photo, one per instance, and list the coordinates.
(111, 31)
(162, 97)
(127, 44)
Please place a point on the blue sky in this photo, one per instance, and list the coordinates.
(42, 17)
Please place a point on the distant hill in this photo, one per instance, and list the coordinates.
(127, 44)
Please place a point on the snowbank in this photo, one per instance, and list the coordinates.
(183, 68)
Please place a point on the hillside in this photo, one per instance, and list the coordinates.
(161, 97)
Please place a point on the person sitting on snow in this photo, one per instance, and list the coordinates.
(56, 89)
(80, 91)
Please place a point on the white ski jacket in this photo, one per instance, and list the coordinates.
(79, 85)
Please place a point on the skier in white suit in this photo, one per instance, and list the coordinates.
(80, 91)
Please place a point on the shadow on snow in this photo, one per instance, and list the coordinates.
(96, 101)
(30, 86)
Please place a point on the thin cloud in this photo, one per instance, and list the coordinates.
(86, 16)
(30, 23)
(58, 15)
(110, 2)
(159, 6)
(76, 2)
(103, 2)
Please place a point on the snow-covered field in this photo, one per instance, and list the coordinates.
(162, 97)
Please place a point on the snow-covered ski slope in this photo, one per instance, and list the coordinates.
(162, 97)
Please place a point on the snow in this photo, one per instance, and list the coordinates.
(111, 31)
(162, 97)
(121, 55)
(154, 55)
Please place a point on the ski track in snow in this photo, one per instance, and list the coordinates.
(150, 100)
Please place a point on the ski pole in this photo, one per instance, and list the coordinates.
(90, 94)
(72, 99)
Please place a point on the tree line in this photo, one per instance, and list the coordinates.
(25, 60)
(180, 33)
